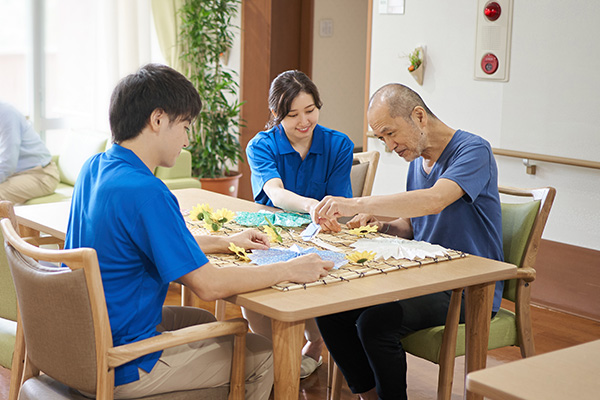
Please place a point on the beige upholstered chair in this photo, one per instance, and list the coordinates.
(523, 222)
(63, 329)
(8, 297)
(363, 171)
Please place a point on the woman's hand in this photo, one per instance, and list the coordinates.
(249, 239)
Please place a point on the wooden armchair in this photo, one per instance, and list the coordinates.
(63, 329)
(522, 227)
(362, 175)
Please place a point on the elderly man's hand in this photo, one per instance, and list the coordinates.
(364, 220)
(331, 208)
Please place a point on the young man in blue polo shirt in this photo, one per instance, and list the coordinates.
(134, 222)
(452, 200)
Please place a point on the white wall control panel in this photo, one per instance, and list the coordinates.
(492, 41)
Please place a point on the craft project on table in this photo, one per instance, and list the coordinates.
(390, 253)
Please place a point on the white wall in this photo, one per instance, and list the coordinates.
(339, 65)
(550, 104)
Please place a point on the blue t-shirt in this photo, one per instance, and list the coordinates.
(324, 171)
(473, 223)
(132, 220)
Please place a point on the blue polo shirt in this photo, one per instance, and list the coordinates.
(324, 171)
(134, 223)
(473, 223)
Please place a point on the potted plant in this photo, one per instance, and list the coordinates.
(416, 67)
(206, 36)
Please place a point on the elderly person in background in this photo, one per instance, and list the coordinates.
(26, 167)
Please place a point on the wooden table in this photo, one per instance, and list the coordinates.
(288, 310)
(571, 373)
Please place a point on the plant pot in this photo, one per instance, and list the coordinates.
(227, 185)
(418, 74)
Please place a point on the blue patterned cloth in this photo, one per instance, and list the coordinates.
(262, 257)
(285, 219)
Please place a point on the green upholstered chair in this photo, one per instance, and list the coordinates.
(522, 225)
(179, 176)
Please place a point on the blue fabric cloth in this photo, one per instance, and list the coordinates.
(21, 148)
(134, 223)
(472, 224)
(324, 171)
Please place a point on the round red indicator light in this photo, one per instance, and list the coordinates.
(489, 63)
(492, 11)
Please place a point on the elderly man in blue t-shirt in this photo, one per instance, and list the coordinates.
(26, 167)
(452, 200)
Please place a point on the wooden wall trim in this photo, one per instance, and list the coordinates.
(367, 72)
(568, 279)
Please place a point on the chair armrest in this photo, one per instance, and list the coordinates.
(123, 354)
(526, 273)
(42, 240)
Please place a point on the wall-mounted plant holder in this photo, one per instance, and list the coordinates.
(417, 64)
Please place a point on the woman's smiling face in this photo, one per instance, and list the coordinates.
(300, 122)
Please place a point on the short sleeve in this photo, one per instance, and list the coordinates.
(263, 165)
(471, 169)
(339, 182)
(164, 238)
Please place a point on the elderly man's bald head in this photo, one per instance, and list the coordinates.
(399, 99)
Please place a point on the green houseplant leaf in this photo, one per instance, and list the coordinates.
(206, 34)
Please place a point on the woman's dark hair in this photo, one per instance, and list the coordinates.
(284, 90)
(152, 87)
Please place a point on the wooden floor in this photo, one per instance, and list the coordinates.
(552, 331)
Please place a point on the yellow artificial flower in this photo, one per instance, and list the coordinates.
(240, 252)
(361, 257)
(363, 230)
(210, 223)
(273, 233)
(223, 215)
(197, 213)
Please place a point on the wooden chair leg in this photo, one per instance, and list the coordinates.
(336, 382)
(220, 309)
(448, 349)
(18, 363)
(523, 317)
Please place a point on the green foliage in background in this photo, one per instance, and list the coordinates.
(206, 36)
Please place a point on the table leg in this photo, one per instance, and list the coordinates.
(287, 345)
(478, 310)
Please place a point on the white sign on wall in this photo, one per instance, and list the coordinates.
(391, 6)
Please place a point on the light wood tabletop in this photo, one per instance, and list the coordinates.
(288, 310)
(570, 373)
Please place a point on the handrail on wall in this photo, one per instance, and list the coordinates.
(533, 156)
(542, 157)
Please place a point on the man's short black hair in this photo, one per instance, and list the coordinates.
(152, 87)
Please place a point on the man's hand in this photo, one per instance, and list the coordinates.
(250, 239)
(307, 268)
(326, 225)
(331, 208)
(364, 220)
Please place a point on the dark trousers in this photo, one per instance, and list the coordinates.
(365, 343)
